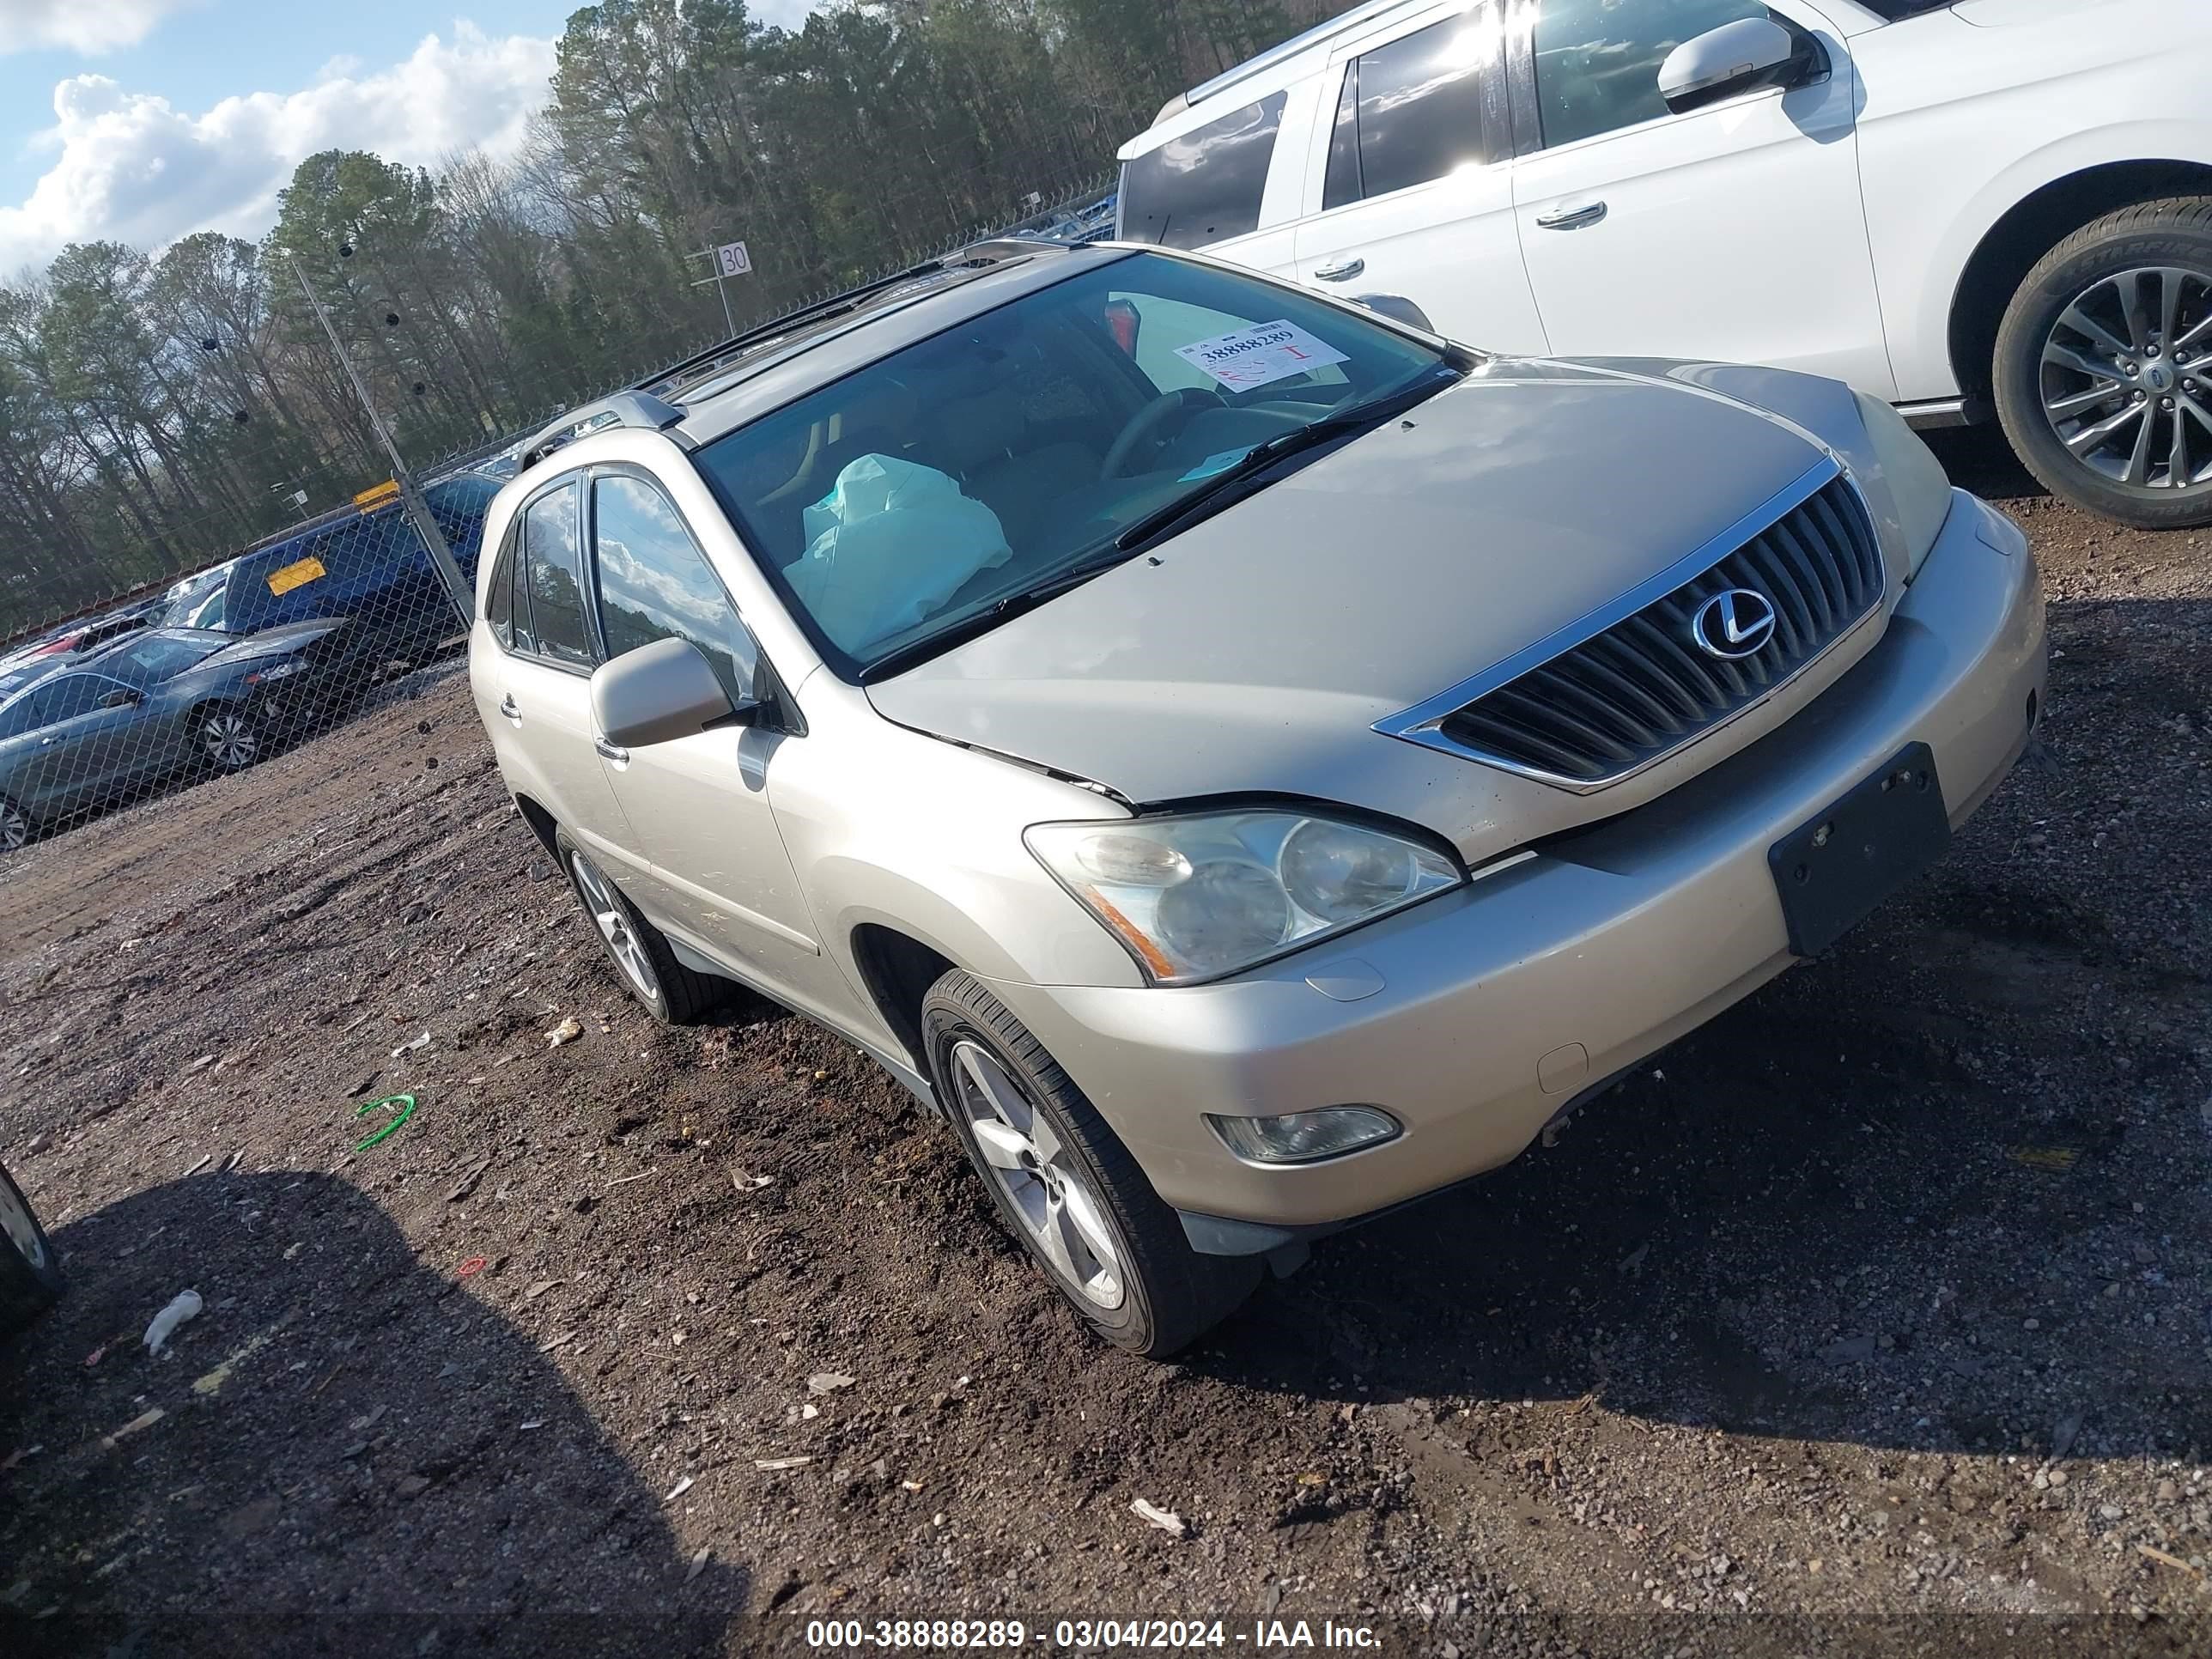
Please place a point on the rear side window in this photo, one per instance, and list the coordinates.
(552, 551)
(1598, 61)
(1205, 185)
(1412, 111)
(499, 596)
(654, 583)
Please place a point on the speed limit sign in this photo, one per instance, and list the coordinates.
(731, 259)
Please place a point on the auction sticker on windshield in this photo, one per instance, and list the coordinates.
(1258, 355)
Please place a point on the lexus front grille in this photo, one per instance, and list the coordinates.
(1661, 670)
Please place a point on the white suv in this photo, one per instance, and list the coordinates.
(1996, 207)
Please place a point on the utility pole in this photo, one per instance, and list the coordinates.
(418, 511)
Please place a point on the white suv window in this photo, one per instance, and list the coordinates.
(1598, 61)
(1411, 111)
(1205, 185)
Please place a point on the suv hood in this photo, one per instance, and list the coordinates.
(1253, 652)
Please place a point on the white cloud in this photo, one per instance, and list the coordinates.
(782, 14)
(130, 166)
(90, 27)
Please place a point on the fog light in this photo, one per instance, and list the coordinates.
(1304, 1137)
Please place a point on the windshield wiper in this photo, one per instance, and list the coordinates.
(1212, 494)
(991, 616)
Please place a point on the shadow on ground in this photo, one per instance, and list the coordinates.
(344, 1453)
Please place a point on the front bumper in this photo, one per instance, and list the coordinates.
(1479, 1015)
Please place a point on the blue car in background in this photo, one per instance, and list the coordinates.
(367, 566)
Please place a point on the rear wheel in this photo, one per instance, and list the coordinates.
(2104, 366)
(1066, 1186)
(664, 988)
(30, 1274)
(230, 737)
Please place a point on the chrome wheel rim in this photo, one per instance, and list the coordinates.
(614, 924)
(22, 1232)
(2126, 378)
(229, 739)
(1044, 1185)
(15, 828)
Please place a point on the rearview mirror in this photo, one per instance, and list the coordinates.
(1398, 308)
(1738, 57)
(659, 692)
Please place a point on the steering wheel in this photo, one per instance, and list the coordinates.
(1147, 420)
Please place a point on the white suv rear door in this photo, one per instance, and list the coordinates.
(1410, 182)
(1734, 232)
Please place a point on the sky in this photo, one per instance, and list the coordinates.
(141, 121)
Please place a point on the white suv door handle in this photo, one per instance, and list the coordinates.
(1567, 218)
(613, 751)
(1343, 271)
(507, 706)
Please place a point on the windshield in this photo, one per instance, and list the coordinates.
(926, 490)
(200, 602)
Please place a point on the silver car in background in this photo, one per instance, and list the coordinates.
(1247, 762)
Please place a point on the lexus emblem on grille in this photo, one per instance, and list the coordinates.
(1733, 625)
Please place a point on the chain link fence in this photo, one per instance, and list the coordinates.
(221, 670)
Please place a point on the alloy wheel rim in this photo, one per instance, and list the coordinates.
(622, 942)
(1044, 1184)
(2126, 378)
(230, 740)
(15, 828)
(22, 1232)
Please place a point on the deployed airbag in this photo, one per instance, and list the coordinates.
(888, 546)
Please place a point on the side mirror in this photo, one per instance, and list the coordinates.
(121, 698)
(659, 692)
(1398, 308)
(1752, 51)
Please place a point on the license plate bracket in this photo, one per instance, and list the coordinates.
(1833, 871)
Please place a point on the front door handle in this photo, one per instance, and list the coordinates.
(1567, 218)
(507, 706)
(613, 751)
(1342, 271)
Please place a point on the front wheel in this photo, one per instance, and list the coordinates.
(30, 1274)
(1066, 1186)
(230, 738)
(2104, 366)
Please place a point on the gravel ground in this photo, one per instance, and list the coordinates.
(1878, 1317)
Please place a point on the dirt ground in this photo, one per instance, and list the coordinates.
(1876, 1318)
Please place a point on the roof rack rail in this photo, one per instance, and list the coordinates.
(667, 382)
(630, 408)
(1317, 35)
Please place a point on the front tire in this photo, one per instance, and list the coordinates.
(1066, 1186)
(228, 737)
(2103, 376)
(30, 1271)
(643, 958)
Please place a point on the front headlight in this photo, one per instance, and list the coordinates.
(1917, 480)
(1199, 896)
